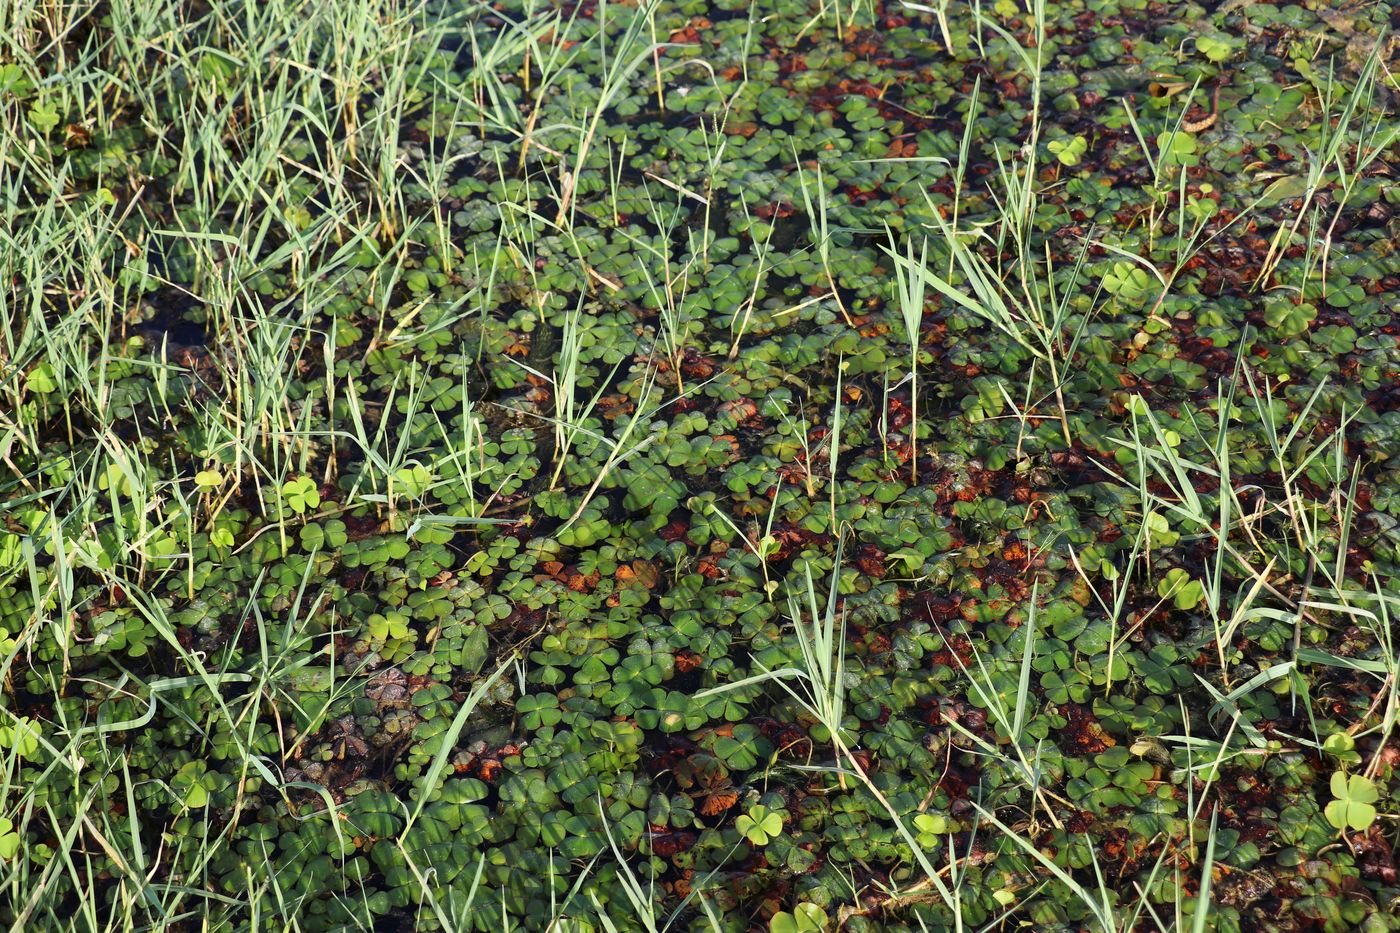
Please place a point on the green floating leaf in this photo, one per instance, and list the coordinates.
(760, 825)
(9, 839)
(1354, 804)
(805, 918)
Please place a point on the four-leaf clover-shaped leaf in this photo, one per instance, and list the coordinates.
(1130, 283)
(413, 480)
(9, 839)
(1341, 746)
(760, 825)
(41, 379)
(1353, 807)
(301, 494)
(43, 117)
(1178, 148)
(930, 827)
(1217, 48)
(208, 479)
(193, 783)
(1289, 318)
(805, 918)
(21, 736)
(1178, 585)
(1069, 151)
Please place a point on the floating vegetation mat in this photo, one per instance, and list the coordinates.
(782, 465)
